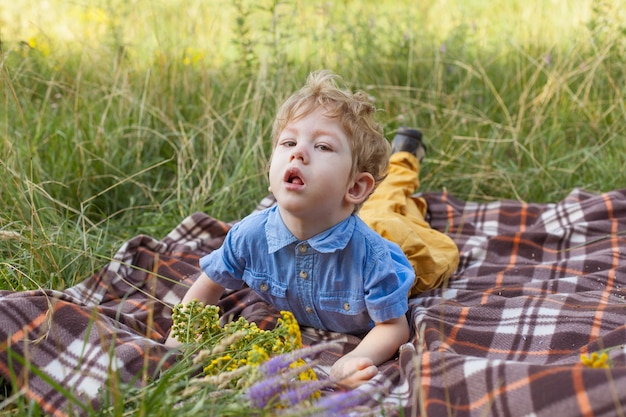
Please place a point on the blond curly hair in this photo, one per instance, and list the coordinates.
(355, 112)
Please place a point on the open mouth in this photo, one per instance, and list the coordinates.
(293, 176)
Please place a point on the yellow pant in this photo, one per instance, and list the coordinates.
(398, 216)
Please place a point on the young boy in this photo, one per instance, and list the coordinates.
(310, 253)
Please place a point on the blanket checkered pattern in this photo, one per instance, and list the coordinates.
(538, 286)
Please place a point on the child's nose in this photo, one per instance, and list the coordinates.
(298, 153)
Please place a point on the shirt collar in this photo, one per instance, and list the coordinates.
(330, 240)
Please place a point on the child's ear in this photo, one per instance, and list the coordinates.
(361, 187)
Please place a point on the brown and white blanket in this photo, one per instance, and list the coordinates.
(538, 286)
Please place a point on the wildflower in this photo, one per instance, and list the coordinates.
(281, 362)
(308, 374)
(192, 56)
(301, 392)
(226, 342)
(32, 43)
(262, 392)
(195, 322)
(288, 321)
(240, 344)
(257, 355)
(218, 349)
(276, 364)
(223, 379)
(218, 364)
(595, 360)
(277, 389)
(271, 365)
(340, 403)
(40, 46)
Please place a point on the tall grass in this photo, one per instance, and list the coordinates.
(121, 117)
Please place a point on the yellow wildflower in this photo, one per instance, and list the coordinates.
(294, 336)
(192, 56)
(238, 344)
(257, 355)
(595, 360)
(40, 46)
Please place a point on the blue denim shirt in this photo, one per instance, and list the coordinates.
(343, 279)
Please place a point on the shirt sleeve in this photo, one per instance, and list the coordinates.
(223, 265)
(387, 288)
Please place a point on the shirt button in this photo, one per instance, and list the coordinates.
(263, 287)
(346, 306)
(309, 310)
(303, 248)
(304, 275)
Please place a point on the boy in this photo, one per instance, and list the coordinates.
(310, 253)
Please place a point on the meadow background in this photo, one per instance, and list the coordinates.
(121, 117)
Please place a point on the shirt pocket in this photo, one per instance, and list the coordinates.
(342, 303)
(270, 289)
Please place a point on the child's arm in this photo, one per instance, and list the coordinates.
(378, 346)
(203, 290)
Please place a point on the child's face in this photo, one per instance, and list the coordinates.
(311, 167)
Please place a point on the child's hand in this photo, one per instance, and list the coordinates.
(353, 371)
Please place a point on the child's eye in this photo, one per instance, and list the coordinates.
(323, 147)
(289, 143)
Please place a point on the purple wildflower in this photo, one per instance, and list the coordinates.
(279, 376)
(301, 392)
(337, 404)
(264, 390)
(281, 362)
(276, 364)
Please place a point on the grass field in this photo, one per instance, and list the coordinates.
(122, 117)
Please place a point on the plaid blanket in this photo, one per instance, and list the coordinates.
(538, 286)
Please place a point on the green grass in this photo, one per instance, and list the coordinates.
(119, 118)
